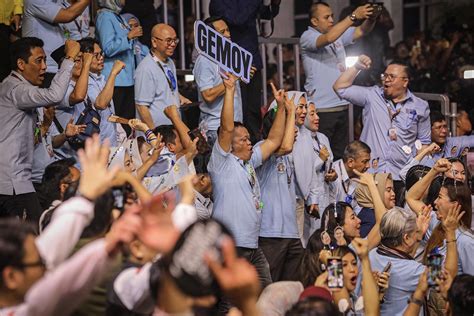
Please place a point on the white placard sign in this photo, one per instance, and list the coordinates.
(228, 55)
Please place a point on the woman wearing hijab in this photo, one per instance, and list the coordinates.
(140, 50)
(117, 41)
(384, 184)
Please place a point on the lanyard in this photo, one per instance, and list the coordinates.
(346, 190)
(392, 115)
(252, 178)
(79, 26)
(172, 80)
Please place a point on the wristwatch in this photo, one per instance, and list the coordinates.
(353, 17)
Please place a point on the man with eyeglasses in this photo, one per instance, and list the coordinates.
(394, 119)
(156, 85)
(211, 87)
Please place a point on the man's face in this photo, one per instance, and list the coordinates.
(221, 27)
(241, 145)
(301, 110)
(164, 41)
(72, 179)
(34, 68)
(313, 118)
(439, 132)
(395, 81)
(323, 20)
(97, 64)
(463, 123)
(361, 163)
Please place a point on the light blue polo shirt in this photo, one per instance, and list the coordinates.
(234, 203)
(111, 31)
(278, 197)
(404, 277)
(107, 129)
(79, 28)
(38, 21)
(207, 76)
(323, 66)
(411, 124)
(152, 88)
(452, 148)
(64, 112)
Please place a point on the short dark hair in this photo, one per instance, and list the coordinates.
(314, 8)
(210, 20)
(436, 116)
(354, 149)
(87, 44)
(21, 49)
(236, 125)
(167, 133)
(53, 174)
(461, 295)
(313, 306)
(12, 238)
(406, 67)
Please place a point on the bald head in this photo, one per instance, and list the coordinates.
(163, 41)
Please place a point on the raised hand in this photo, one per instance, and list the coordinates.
(230, 81)
(423, 219)
(117, 67)
(87, 59)
(138, 125)
(442, 165)
(95, 177)
(72, 49)
(135, 32)
(363, 62)
(363, 12)
(364, 178)
(171, 110)
(290, 103)
(451, 221)
(279, 95)
(123, 230)
(361, 247)
(444, 283)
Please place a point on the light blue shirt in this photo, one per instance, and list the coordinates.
(323, 66)
(235, 198)
(452, 148)
(411, 124)
(207, 76)
(111, 31)
(64, 112)
(43, 153)
(38, 21)
(79, 28)
(108, 130)
(319, 142)
(278, 197)
(343, 189)
(152, 88)
(404, 277)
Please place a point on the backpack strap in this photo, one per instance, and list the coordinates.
(58, 125)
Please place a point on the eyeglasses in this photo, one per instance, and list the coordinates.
(386, 76)
(40, 263)
(168, 41)
(99, 55)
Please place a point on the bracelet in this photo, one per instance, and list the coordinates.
(148, 133)
(454, 240)
(149, 140)
(414, 300)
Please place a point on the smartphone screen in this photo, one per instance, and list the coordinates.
(335, 275)
(435, 265)
(118, 198)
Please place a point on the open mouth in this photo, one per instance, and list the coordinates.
(353, 280)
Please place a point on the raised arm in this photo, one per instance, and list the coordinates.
(379, 208)
(105, 96)
(414, 196)
(286, 146)
(450, 224)
(273, 141)
(172, 113)
(67, 15)
(366, 27)
(79, 92)
(226, 129)
(369, 287)
(347, 77)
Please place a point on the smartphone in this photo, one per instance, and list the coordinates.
(335, 275)
(119, 198)
(435, 266)
(388, 267)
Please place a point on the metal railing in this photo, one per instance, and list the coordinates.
(448, 109)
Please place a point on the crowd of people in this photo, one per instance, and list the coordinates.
(110, 204)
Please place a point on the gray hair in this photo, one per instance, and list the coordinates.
(395, 224)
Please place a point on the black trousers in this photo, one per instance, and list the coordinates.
(24, 206)
(124, 103)
(335, 125)
(251, 104)
(283, 256)
(5, 68)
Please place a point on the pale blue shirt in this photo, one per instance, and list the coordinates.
(64, 112)
(234, 197)
(323, 66)
(411, 124)
(38, 21)
(43, 153)
(404, 277)
(452, 148)
(207, 76)
(108, 130)
(343, 189)
(18, 102)
(278, 197)
(152, 88)
(79, 28)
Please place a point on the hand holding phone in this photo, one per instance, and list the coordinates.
(335, 274)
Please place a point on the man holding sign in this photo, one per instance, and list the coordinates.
(156, 85)
(211, 87)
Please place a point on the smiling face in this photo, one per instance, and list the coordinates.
(313, 118)
(457, 172)
(301, 110)
(34, 68)
(395, 81)
(389, 195)
(222, 27)
(350, 271)
(351, 225)
(163, 41)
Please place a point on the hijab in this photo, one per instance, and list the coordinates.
(362, 193)
(112, 5)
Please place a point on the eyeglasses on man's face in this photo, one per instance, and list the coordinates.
(169, 40)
